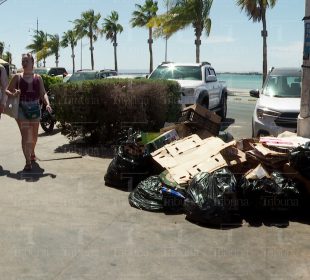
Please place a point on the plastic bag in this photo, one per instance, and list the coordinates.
(300, 159)
(130, 164)
(148, 195)
(173, 199)
(212, 199)
(153, 195)
(269, 195)
(127, 171)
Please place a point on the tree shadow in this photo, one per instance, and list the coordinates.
(226, 123)
(83, 149)
(45, 134)
(33, 175)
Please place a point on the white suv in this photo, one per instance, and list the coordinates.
(198, 83)
(278, 105)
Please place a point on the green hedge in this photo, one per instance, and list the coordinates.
(97, 110)
(49, 81)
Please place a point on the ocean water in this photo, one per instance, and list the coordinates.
(241, 81)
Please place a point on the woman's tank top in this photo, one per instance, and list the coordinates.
(29, 91)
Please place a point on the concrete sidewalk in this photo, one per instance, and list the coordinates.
(62, 223)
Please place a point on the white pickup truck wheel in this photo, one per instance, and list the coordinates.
(223, 111)
(205, 103)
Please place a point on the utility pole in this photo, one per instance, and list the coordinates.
(303, 123)
(166, 46)
(37, 36)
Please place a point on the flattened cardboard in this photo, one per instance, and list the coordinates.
(265, 151)
(200, 110)
(187, 157)
(182, 129)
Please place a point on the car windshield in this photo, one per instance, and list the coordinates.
(82, 76)
(283, 86)
(40, 71)
(177, 72)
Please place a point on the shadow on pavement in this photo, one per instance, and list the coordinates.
(45, 134)
(226, 123)
(87, 150)
(3, 172)
(33, 175)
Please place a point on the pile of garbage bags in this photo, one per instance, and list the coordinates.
(190, 170)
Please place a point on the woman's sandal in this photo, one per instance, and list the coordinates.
(28, 167)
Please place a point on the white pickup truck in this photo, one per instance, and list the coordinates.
(198, 83)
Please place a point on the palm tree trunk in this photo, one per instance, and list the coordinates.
(73, 60)
(56, 56)
(198, 43)
(264, 35)
(115, 53)
(37, 59)
(150, 41)
(91, 52)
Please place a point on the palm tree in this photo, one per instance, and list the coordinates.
(1, 49)
(141, 17)
(184, 13)
(87, 25)
(256, 10)
(110, 28)
(39, 44)
(53, 47)
(70, 38)
(7, 57)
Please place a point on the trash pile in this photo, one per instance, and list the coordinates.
(192, 168)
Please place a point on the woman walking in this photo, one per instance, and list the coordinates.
(30, 87)
(3, 86)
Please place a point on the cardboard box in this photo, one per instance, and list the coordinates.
(186, 129)
(182, 129)
(162, 140)
(201, 117)
(187, 157)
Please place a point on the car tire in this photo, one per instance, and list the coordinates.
(205, 103)
(223, 105)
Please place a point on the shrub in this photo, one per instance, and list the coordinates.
(48, 81)
(98, 109)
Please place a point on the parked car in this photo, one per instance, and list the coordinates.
(65, 79)
(107, 73)
(82, 75)
(278, 104)
(126, 76)
(52, 71)
(198, 83)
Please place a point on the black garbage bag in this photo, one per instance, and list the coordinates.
(148, 195)
(274, 195)
(126, 171)
(212, 199)
(173, 199)
(300, 159)
(153, 195)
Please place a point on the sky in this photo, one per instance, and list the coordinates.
(234, 44)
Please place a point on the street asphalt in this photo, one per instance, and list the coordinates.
(60, 222)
